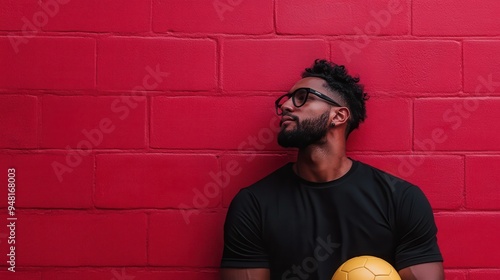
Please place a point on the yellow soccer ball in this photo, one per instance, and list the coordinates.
(366, 268)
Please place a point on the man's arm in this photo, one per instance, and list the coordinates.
(417, 253)
(425, 271)
(245, 255)
(244, 274)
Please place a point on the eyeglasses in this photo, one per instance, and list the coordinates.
(299, 98)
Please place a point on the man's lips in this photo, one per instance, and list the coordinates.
(286, 119)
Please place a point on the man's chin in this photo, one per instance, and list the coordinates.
(287, 126)
(286, 141)
(283, 140)
(287, 146)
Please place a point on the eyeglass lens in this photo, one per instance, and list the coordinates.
(299, 98)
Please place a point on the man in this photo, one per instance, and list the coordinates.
(307, 218)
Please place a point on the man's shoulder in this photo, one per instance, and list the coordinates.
(264, 189)
(274, 180)
(405, 194)
(395, 183)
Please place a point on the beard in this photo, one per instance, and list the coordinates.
(305, 133)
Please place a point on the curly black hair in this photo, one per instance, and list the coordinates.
(338, 80)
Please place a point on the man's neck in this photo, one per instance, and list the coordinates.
(322, 163)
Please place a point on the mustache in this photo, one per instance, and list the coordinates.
(294, 118)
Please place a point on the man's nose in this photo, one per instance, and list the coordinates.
(288, 106)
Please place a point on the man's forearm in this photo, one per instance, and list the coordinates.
(245, 274)
(425, 271)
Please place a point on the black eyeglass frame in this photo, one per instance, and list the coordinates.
(308, 91)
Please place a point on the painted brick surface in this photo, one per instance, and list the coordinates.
(456, 124)
(61, 63)
(132, 124)
(267, 62)
(50, 180)
(241, 17)
(463, 18)
(154, 180)
(126, 273)
(16, 132)
(170, 230)
(213, 118)
(139, 64)
(481, 67)
(80, 239)
(469, 248)
(340, 17)
(429, 66)
(372, 137)
(481, 192)
(88, 122)
(98, 16)
(15, 13)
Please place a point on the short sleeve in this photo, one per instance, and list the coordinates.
(243, 242)
(415, 230)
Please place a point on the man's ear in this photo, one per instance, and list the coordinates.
(339, 116)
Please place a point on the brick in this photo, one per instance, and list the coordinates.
(126, 274)
(456, 124)
(481, 177)
(20, 275)
(47, 63)
(469, 240)
(79, 239)
(251, 122)
(402, 65)
(12, 13)
(245, 169)
(463, 18)
(156, 64)
(172, 180)
(87, 122)
(264, 65)
(444, 188)
(40, 183)
(197, 244)
(100, 16)
(17, 131)
(340, 17)
(373, 136)
(481, 66)
(455, 275)
(220, 16)
(484, 274)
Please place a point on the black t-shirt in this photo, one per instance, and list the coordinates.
(305, 230)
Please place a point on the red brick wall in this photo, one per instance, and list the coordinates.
(132, 124)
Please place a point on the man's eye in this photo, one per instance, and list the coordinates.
(300, 96)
